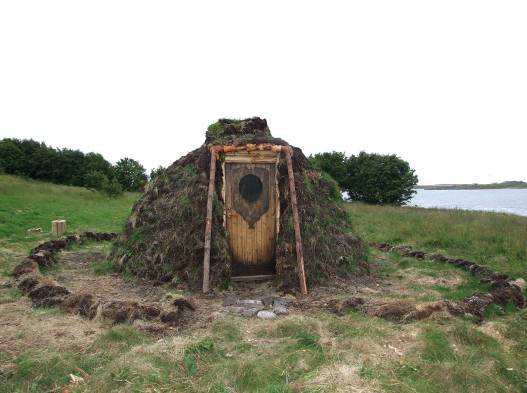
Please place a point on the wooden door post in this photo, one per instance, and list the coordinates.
(296, 220)
(208, 221)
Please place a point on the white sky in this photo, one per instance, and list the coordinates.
(443, 84)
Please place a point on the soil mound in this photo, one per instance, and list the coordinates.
(164, 236)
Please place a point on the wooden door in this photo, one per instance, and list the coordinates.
(251, 212)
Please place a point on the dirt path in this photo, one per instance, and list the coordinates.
(75, 272)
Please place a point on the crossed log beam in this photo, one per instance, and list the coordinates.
(214, 154)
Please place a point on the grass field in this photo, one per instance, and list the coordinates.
(312, 352)
(26, 204)
(496, 240)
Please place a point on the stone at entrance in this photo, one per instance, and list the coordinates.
(266, 315)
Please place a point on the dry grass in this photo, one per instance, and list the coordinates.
(310, 350)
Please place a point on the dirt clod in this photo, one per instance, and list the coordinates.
(149, 311)
(392, 311)
(119, 311)
(27, 266)
(185, 303)
(171, 318)
(84, 304)
(26, 284)
(48, 294)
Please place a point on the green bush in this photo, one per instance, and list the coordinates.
(334, 163)
(380, 179)
(368, 177)
(96, 180)
(130, 174)
(11, 156)
(159, 171)
(36, 160)
(114, 188)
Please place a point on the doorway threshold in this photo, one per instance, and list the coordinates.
(258, 277)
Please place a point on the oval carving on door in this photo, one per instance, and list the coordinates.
(251, 196)
(250, 188)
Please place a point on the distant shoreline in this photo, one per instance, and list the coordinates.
(475, 186)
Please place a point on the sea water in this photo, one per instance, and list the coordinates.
(507, 200)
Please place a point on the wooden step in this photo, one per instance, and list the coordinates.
(259, 277)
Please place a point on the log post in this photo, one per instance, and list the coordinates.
(208, 220)
(58, 227)
(296, 221)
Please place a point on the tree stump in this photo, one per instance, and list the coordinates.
(58, 227)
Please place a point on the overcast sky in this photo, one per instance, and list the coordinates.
(443, 84)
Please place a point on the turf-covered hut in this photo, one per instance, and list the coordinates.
(252, 225)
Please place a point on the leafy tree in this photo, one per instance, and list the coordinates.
(96, 180)
(11, 156)
(334, 163)
(130, 174)
(65, 166)
(156, 172)
(379, 179)
(96, 162)
(114, 188)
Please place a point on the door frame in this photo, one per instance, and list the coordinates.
(253, 157)
(215, 150)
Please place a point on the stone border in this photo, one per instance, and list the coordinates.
(44, 291)
(504, 289)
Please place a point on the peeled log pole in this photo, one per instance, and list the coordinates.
(208, 222)
(296, 221)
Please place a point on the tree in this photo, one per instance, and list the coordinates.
(96, 162)
(114, 188)
(156, 172)
(11, 156)
(130, 174)
(379, 179)
(96, 180)
(334, 163)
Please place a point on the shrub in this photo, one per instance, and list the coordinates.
(379, 179)
(372, 178)
(62, 166)
(114, 188)
(130, 174)
(156, 172)
(11, 156)
(96, 180)
(334, 163)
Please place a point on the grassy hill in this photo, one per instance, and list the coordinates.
(28, 204)
(307, 351)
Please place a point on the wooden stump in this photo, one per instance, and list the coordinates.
(58, 227)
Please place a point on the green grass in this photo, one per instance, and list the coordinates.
(492, 239)
(28, 204)
(457, 358)
(46, 370)
(103, 267)
(232, 354)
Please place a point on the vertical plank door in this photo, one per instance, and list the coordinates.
(251, 205)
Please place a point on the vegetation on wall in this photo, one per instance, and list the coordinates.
(368, 177)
